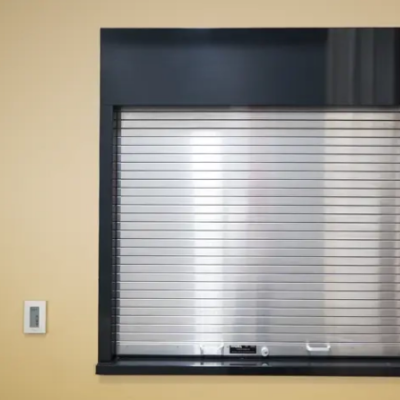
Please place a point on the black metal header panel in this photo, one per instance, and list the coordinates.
(250, 67)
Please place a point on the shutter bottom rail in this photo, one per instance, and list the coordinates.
(315, 366)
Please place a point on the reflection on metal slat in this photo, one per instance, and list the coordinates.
(259, 158)
(275, 349)
(255, 252)
(258, 184)
(259, 243)
(262, 228)
(245, 212)
(256, 192)
(257, 320)
(353, 168)
(322, 176)
(217, 140)
(259, 286)
(256, 124)
(200, 311)
(215, 236)
(247, 276)
(253, 218)
(255, 209)
(323, 305)
(256, 337)
(257, 201)
(257, 295)
(266, 260)
(183, 272)
(255, 149)
(317, 132)
(236, 114)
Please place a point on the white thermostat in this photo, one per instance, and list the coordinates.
(35, 317)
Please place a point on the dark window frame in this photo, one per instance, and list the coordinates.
(159, 68)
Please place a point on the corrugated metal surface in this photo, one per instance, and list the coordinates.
(277, 229)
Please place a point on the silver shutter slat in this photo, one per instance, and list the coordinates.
(265, 218)
(337, 143)
(210, 272)
(315, 260)
(222, 279)
(255, 252)
(258, 175)
(275, 228)
(252, 192)
(271, 157)
(259, 243)
(256, 235)
(270, 286)
(264, 228)
(257, 149)
(229, 307)
(373, 116)
(281, 295)
(221, 167)
(258, 320)
(255, 124)
(251, 209)
(256, 184)
(260, 337)
(260, 312)
(258, 201)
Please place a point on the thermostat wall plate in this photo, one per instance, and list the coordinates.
(35, 317)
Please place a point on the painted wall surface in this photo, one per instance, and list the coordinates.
(49, 113)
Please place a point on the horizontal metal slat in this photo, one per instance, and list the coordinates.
(237, 312)
(386, 169)
(222, 280)
(257, 337)
(257, 252)
(217, 140)
(269, 234)
(253, 260)
(257, 201)
(317, 132)
(258, 149)
(316, 184)
(260, 295)
(257, 209)
(322, 175)
(267, 244)
(253, 218)
(260, 286)
(257, 320)
(339, 306)
(256, 191)
(254, 114)
(367, 271)
(242, 157)
(256, 124)
(262, 228)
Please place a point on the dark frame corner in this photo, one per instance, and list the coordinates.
(319, 68)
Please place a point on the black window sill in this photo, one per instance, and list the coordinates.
(319, 367)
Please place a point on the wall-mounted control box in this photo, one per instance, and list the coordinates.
(35, 317)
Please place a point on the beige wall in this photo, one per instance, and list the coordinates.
(49, 102)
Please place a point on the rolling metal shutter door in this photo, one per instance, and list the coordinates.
(277, 229)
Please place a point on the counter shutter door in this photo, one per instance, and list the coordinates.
(262, 228)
